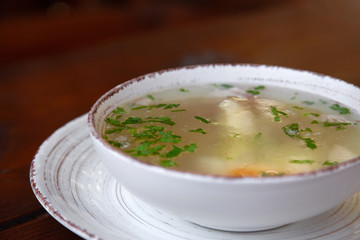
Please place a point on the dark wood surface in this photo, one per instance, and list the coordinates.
(53, 69)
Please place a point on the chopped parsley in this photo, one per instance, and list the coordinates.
(115, 130)
(257, 136)
(171, 105)
(113, 122)
(223, 86)
(115, 143)
(151, 139)
(132, 120)
(183, 90)
(309, 143)
(146, 149)
(297, 107)
(328, 163)
(139, 107)
(271, 174)
(162, 105)
(149, 96)
(259, 87)
(168, 163)
(174, 152)
(164, 120)
(178, 110)
(198, 130)
(302, 161)
(255, 90)
(294, 96)
(339, 109)
(308, 102)
(306, 130)
(338, 125)
(169, 137)
(202, 119)
(277, 113)
(119, 110)
(292, 130)
(312, 114)
(190, 148)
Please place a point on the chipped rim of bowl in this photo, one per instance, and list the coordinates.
(207, 177)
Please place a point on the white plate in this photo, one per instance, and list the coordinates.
(72, 184)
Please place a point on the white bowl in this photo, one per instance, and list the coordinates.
(235, 204)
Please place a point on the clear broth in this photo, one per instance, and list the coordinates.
(237, 131)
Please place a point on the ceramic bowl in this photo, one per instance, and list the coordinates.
(234, 204)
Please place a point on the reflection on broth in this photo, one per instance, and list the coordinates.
(237, 131)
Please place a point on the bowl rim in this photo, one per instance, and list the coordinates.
(303, 176)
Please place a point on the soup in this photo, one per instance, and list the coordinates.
(236, 131)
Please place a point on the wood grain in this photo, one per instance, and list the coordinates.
(44, 85)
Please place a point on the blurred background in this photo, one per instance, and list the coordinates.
(31, 28)
(58, 57)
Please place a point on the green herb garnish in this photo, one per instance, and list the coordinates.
(302, 161)
(315, 122)
(338, 125)
(168, 163)
(145, 149)
(338, 108)
(113, 122)
(257, 136)
(118, 110)
(161, 105)
(255, 90)
(115, 143)
(174, 152)
(150, 107)
(328, 163)
(297, 107)
(308, 102)
(271, 174)
(277, 113)
(224, 86)
(306, 130)
(294, 96)
(313, 114)
(149, 96)
(292, 130)
(169, 137)
(139, 107)
(171, 105)
(178, 110)
(259, 87)
(202, 119)
(309, 143)
(132, 120)
(183, 90)
(198, 130)
(164, 120)
(190, 148)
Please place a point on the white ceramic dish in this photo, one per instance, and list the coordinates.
(73, 185)
(235, 204)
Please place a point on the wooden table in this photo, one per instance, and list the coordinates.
(41, 92)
